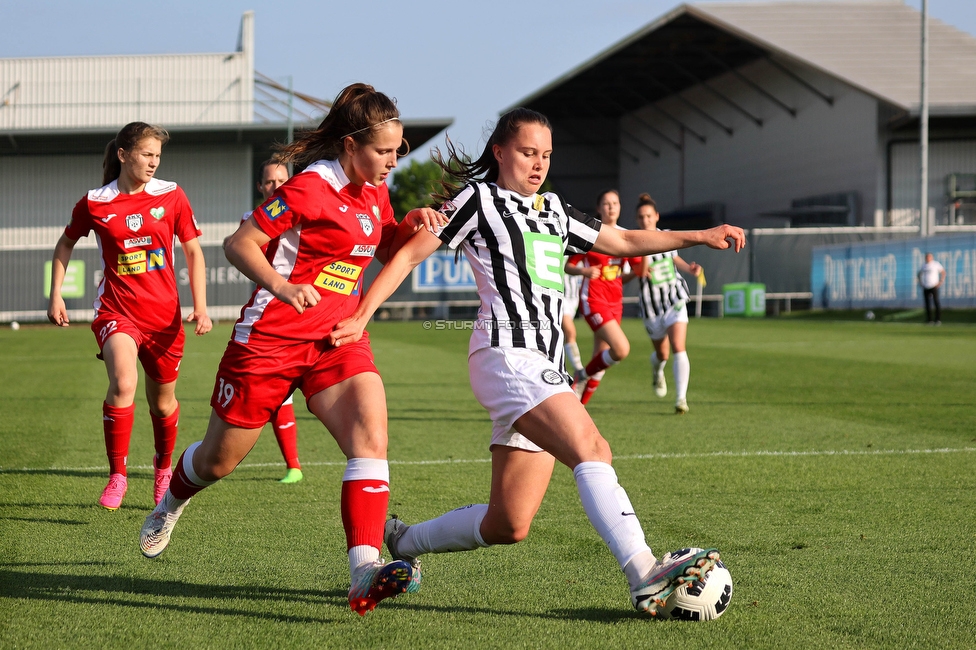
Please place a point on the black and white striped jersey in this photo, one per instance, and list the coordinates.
(664, 287)
(516, 246)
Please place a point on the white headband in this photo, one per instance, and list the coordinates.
(365, 128)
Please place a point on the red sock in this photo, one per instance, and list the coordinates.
(365, 497)
(181, 485)
(164, 436)
(286, 433)
(117, 425)
(591, 386)
(600, 362)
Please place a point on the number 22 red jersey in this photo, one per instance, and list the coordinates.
(135, 238)
(324, 231)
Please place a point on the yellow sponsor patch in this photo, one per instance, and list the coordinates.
(332, 283)
(539, 202)
(344, 270)
(132, 269)
(610, 272)
(132, 258)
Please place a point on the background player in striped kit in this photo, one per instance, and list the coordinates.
(571, 295)
(516, 240)
(602, 302)
(138, 319)
(663, 300)
(322, 228)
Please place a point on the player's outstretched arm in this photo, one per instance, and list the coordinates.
(197, 268)
(415, 251)
(243, 250)
(632, 243)
(57, 313)
(426, 218)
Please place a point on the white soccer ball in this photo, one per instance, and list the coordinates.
(703, 601)
(14, 325)
(869, 315)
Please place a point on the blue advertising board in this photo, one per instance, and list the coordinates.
(884, 274)
(440, 272)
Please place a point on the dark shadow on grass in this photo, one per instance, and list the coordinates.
(593, 614)
(133, 592)
(41, 520)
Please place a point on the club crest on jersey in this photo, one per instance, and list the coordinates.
(138, 241)
(552, 377)
(448, 209)
(366, 223)
(158, 213)
(275, 208)
(133, 221)
(363, 250)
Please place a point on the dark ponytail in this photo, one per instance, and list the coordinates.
(355, 113)
(131, 134)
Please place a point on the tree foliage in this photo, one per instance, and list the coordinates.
(413, 185)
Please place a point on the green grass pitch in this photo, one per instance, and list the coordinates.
(833, 463)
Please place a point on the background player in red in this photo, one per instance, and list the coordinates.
(283, 422)
(322, 228)
(135, 215)
(601, 301)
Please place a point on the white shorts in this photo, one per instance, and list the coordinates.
(510, 382)
(571, 295)
(657, 327)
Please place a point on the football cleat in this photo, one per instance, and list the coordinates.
(375, 581)
(293, 475)
(112, 494)
(670, 572)
(156, 530)
(392, 533)
(681, 407)
(161, 479)
(660, 385)
(579, 383)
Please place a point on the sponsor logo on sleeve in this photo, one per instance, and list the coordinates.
(158, 213)
(108, 218)
(138, 241)
(448, 209)
(363, 250)
(275, 208)
(343, 208)
(339, 277)
(133, 221)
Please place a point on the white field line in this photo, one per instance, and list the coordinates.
(463, 461)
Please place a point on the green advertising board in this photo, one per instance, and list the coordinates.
(74, 280)
(747, 299)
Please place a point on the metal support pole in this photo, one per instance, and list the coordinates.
(925, 227)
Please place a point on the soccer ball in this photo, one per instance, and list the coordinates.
(700, 601)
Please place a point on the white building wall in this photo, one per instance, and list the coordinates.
(824, 149)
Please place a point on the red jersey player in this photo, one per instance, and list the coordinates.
(137, 308)
(322, 227)
(283, 422)
(601, 301)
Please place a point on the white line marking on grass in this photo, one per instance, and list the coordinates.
(462, 461)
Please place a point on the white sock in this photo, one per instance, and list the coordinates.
(457, 530)
(657, 366)
(609, 510)
(573, 354)
(608, 359)
(361, 554)
(682, 372)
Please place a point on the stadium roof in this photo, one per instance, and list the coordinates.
(873, 45)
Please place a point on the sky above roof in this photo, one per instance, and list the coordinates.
(439, 58)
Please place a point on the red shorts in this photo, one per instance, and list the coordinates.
(598, 314)
(159, 352)
(254, 379)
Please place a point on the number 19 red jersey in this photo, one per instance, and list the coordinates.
(324, 231)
